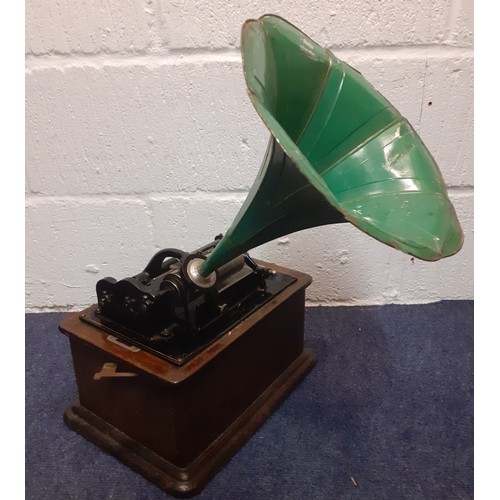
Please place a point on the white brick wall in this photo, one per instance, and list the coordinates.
(139, 135)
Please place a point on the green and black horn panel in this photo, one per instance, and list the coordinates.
(339, 151)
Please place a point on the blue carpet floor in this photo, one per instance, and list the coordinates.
(387, 413)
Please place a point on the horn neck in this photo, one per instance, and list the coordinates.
(281, 201)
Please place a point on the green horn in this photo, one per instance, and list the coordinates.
(338, 151)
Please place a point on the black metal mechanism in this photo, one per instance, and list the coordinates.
(167, 311)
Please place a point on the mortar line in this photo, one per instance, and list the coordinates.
(423, 95)
(452, 19)
(143, 197)
(34, 198)
(155, 30)
(201, 55)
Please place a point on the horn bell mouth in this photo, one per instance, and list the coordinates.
(352, 144)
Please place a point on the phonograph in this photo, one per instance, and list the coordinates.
(178, 365)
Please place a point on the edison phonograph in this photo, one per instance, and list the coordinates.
(178, 365)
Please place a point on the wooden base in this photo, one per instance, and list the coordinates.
(178, 426)
(190, 480)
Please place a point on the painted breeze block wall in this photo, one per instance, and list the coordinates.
(140, 136)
